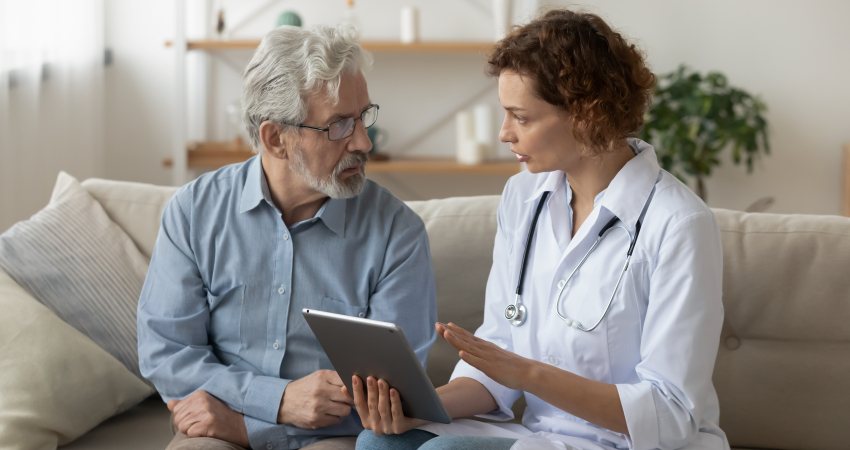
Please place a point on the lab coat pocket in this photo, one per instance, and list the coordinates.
(626, 322)
(226, 317)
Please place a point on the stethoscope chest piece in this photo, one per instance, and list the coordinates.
(515, 313)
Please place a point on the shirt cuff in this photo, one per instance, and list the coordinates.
(266, 436)
(264, 397)
(641, 416)
(505, 397)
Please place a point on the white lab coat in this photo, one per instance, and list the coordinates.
(659, 340)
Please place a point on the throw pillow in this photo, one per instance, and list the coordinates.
(55, 383)
(77, 262)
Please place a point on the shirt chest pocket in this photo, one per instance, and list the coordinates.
(226, 317)
(338, 306)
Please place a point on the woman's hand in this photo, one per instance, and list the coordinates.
(504, 367)
(379, 407)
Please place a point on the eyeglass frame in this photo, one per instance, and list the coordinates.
(354, 123)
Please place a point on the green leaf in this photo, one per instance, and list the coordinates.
(694, 118)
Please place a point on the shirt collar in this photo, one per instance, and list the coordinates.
(551, 182)
(332, 214)
(627, 193)
(256, 190)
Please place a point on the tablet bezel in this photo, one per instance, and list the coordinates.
(366, 347)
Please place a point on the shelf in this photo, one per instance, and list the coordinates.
(442, 47)
(212, 155)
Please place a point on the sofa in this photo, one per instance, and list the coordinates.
(783, 367)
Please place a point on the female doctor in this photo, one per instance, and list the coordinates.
(603, 305)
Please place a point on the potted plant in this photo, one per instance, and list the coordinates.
(694, 118)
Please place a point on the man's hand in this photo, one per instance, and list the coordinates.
(202, 415)
(315, 401)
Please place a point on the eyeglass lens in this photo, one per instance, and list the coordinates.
(343, 128)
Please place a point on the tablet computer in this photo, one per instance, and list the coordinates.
(369, 347)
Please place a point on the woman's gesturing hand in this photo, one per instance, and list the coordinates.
(504, 367)
(379, 407)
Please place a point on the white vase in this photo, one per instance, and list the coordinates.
(468, 150)
(409, 24)
(502, 13)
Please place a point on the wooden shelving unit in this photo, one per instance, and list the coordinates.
(439, 47)
(212, 155)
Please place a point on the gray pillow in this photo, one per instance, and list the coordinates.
(76, 261)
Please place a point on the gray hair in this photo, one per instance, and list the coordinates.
(291, 63)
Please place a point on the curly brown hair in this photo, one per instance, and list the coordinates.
(579, 64)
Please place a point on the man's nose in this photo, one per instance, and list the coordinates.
(360, 141)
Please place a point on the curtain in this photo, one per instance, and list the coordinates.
(51, 99)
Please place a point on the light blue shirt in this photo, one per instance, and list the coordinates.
(221, 306)
(658, 341)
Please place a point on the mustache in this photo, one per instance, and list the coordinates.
(350, 160)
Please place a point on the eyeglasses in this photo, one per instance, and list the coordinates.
(344, 128)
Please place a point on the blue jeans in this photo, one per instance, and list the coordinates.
(423, 440)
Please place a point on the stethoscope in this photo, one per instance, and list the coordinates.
(516, 312)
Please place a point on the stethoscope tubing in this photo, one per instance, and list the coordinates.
(516, 311)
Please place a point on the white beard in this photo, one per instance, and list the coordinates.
(332, 185)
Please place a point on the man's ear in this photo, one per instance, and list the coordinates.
(274, 140)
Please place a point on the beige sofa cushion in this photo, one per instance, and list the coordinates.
(783, 367)
(82, 266)
(135, 207)
(461, 232)
(55, 383)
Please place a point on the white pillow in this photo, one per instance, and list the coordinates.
(55, 383)
(76, 261)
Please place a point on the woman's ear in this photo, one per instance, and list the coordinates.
(274, 141)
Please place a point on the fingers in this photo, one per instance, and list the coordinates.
(195, 429)
(372, 404)
(384, 406)
(360, 401)
(340, 395)
(397, 411)
(338, 409)
(475, 361)
(457, 341)
(332, 377)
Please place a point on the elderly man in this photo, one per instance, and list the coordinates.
(242, 250)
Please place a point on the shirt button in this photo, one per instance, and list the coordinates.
(285, 237)
(561, 284)
(269, 446)
(276, 345)
(361, 314)
(281, 290)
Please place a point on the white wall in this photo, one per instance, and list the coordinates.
(139, 89)
(794, 54)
